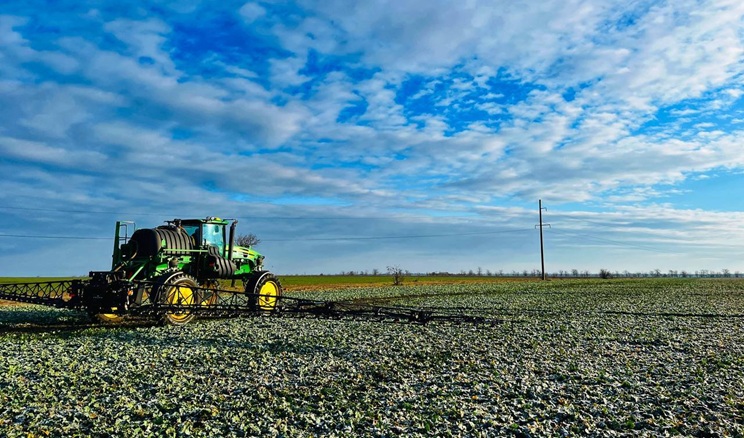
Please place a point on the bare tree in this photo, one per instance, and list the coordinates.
(605, 273)
(397, 273)
(247, 240)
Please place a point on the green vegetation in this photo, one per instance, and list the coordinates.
(572, 357)
(300, 281)
(8, 280)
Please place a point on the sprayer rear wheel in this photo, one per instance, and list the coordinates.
(176, 289)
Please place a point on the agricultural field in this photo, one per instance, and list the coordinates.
(654, 357)
(305, 282)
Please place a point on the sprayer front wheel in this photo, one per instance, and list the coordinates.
(264, 290)
(176, 289)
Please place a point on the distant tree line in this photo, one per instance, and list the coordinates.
(573, 273)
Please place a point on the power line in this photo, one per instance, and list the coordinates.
(29, 236)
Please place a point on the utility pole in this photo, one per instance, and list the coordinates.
(542, 248)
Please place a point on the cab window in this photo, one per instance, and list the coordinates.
(191, 230)
(212, 235)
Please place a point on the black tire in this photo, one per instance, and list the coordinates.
(176, 288)
(263, 290)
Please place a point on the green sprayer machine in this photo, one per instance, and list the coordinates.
(176, 271)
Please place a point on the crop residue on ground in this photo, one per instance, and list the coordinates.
(654, 358)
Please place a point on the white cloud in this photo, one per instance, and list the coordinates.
(145, 40)
(285, 72)
(41, 153)
(15, 50)
(735, 93)
(251, 12)
(413, 36)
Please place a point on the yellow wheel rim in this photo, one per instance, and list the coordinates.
(181, 296)
(109, 318)
(267, 295)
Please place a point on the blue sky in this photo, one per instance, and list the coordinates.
(359, 136)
